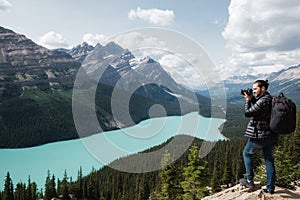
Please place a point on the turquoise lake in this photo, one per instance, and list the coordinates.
(70, 155)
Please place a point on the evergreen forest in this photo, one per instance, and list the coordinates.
(189, 177)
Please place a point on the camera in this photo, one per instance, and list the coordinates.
(248, 91)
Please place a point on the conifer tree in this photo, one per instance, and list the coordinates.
(12, 190)
(240, 167)
(143, 190)
(53, 186)
(20, 193)
(216, 176)
(40, 194)
(47, 186)
(170, 182)
(50, 189)
(65, 189)
(8, 193)
(80, 183)
(29, 190)
(287, 158)
(59, 188)
(294, 143)
(195, 175)
(92, 186)
(85, 189)
(34, 190)
(227, 175)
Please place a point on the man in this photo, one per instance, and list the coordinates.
(258, 107)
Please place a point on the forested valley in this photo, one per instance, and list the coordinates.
(189, 177)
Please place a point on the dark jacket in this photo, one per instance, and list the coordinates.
(260, 112)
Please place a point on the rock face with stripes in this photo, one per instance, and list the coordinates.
(25, 64)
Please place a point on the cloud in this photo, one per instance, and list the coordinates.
(4, 5)
(53, 40)
(185, 60)
(153, 16)
(264, 36)
(141, 45)
(219, 22)
(133, 40)
(182, 71)
(94, 39)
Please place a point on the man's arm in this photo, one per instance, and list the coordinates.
(255, 109)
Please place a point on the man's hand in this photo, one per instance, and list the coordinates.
(246, 96)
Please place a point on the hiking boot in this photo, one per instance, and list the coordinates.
(247, 183)
(270, 191)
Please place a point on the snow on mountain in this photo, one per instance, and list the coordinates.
(80, 52)
(115, 66)
(111, 62)
(103, 56)
(286, 81)
(153, 72)
(239, 79)
(289, 74)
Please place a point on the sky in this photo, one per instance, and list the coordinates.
(239, 36)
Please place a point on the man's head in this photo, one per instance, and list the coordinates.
(259, 87)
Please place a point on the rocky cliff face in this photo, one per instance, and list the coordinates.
(80, 52)
(23, 64)
(238, 192)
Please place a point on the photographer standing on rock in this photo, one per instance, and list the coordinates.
(258, 107)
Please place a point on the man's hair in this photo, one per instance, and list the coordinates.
(261, 83)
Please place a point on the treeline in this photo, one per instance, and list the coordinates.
(189, 177)
(48, 118)
(235, 121)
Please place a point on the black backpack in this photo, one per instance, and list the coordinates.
(283, 115)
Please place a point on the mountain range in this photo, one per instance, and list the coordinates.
(36, 86)
(286, 81)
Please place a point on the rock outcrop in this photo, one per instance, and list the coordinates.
(24, 63)
(80, 52)
(239, 192)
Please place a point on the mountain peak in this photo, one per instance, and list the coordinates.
(28, 64)
(4, 30)
(114, 48)
(98, 45)
(18, 50)
(149, 60)
(84, 44)
(111, 49)
(136, 62)
(80, 52)
(113, 44)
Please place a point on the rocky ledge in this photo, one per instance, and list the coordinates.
(239, 192)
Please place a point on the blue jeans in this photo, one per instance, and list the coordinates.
(267, 145)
